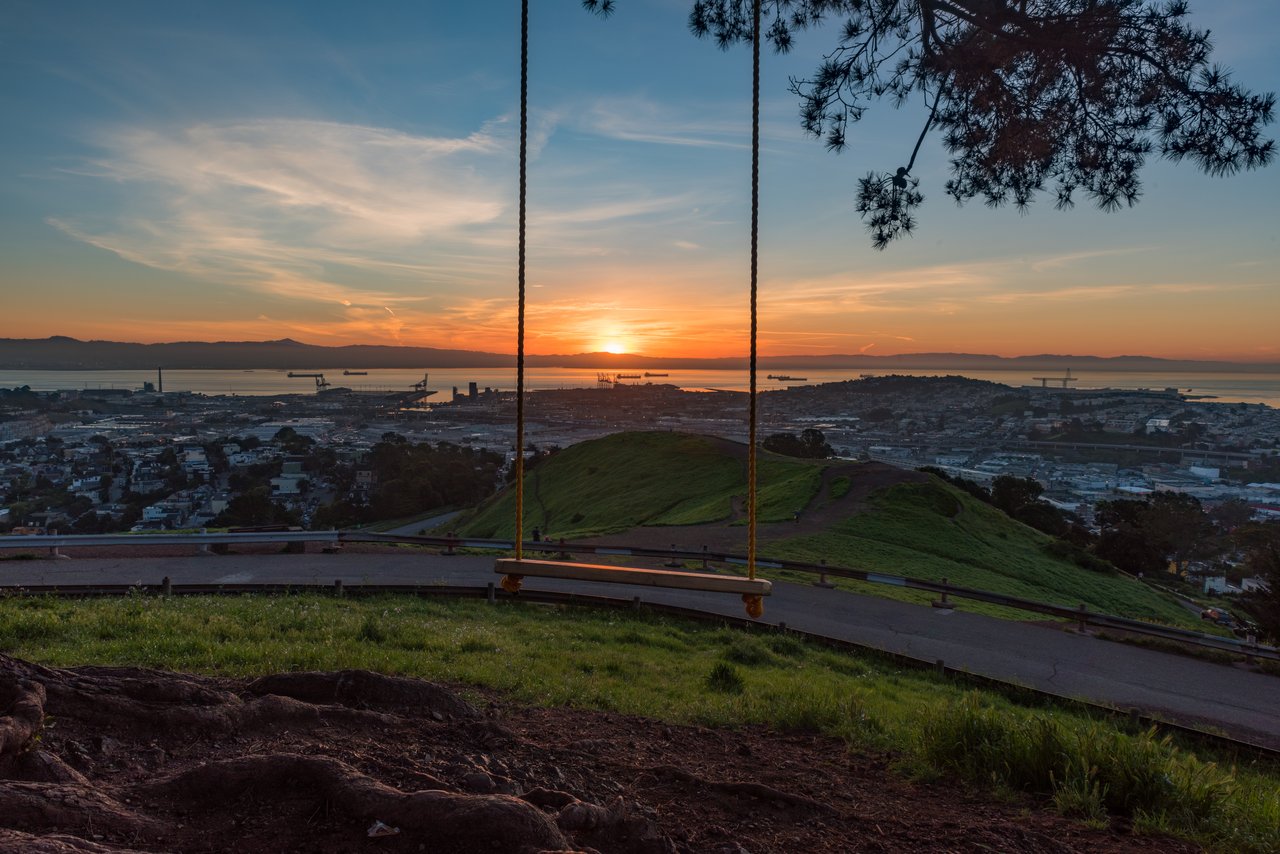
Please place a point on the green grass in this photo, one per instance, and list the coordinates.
(1092, 770)
(934, 531)
(839, 488)
(683, 672)
(922, 530)
(631, 479)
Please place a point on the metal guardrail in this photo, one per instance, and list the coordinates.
(1079, 614)
(54, 541)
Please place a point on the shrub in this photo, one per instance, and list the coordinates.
(1080, 557)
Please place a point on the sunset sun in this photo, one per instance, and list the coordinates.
(614, 346)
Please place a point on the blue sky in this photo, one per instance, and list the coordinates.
(339, 173)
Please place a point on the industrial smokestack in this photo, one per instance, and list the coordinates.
(160, 380)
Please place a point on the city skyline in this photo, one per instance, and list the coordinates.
(245, 173)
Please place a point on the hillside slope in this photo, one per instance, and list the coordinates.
(932, 530)
(636, 487)
(645, 479)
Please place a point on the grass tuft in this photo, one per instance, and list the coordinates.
(1091, 770)
(371, 631)
(725, 679)
(748, 650)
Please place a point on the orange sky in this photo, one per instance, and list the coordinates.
(353, 181)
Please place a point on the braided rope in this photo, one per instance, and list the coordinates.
(755, 241)
(524, 149)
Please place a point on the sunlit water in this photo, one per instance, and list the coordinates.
(1223, 387)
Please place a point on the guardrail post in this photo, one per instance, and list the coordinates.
(823, 581)
(335, 546)
(635, 603)
(1250, 642)
(943, 602)
(203, 548)
(564, 555)
(1082, 620)
(941, 667)
(491, 594)
(166, 586)
(53, 550)
(704, 557)
(337, 587)
(672, 560)
(448, 547)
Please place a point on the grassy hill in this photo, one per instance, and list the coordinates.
(631, 479)
(867, 516)
(932, 530)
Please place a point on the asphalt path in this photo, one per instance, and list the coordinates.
(415, 528)
(1173, 687)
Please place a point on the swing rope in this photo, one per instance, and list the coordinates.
(755, 257)
(754, 603)
(511, 582)
(524, 163)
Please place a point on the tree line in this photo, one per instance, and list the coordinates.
(1166, 531)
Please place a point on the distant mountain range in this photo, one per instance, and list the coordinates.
(60, 353)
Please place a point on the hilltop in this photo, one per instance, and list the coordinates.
(660, 489)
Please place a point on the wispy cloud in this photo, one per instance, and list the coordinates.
(1058, 262)
(361, 217)
(302, 209)
(638, 119)
(908, 289)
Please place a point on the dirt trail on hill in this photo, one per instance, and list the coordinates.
(110, 760)
(821, 512)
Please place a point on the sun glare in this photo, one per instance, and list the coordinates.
(614, 347)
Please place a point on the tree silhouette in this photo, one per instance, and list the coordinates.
(810, 444)
(1026, 94)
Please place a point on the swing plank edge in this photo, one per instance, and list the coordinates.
(634, 575)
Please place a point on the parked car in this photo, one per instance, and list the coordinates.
(1219, 616)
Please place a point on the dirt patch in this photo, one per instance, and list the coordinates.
(821, 513)
(121, 759)
(865, 479)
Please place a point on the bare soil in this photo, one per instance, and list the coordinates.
(820, 514)
(119, 759)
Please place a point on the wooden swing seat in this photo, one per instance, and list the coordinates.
(634, 575)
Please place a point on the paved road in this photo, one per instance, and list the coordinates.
(1174, 687)
(415, 528)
